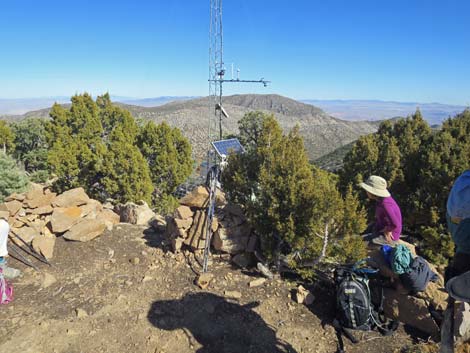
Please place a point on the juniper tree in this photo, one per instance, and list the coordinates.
(290, 203)
(168, 155)
(92, 145)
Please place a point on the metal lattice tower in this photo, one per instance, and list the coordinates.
(216, 69)
(216, 111)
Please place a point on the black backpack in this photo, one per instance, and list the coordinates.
(359, 302)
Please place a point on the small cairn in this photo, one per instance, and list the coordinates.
(231, 231)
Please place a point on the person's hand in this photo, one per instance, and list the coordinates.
(388, 237)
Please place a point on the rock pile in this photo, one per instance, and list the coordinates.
(231, 232)
(40, 215)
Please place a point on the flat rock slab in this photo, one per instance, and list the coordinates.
(41, 200)
(13, 207)
(86, 230)
(43, 210)
(26, 233)
(74, 197)
(183, 212)
(44, 245)
(64, 218)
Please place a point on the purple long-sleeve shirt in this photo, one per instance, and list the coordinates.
(388, 217)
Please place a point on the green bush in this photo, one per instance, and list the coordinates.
(12, 178)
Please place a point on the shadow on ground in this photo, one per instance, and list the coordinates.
(218, 325)
(155, 238)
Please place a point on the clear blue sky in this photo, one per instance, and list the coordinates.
(381, 49)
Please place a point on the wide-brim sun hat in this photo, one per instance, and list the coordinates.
(376, 186)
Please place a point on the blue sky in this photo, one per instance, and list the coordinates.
(391, 50)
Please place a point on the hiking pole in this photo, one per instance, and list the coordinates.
(17, 256)
(33, 252)
(447, 328)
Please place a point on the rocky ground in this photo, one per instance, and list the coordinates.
(124, 292)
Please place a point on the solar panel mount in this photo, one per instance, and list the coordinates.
(225, 147)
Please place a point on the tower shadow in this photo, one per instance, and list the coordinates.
(218, 325)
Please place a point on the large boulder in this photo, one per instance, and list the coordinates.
(231, 240)
(409, 310)
(433, 293)
(70, 198)
(86, 230)
(64, 218)
(140, 214)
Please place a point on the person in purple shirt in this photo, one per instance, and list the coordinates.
(388, 222)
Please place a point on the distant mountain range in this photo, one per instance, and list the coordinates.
(322, 133)
(353, 110)
(18, 106)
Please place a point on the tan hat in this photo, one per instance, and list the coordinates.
(376, 186)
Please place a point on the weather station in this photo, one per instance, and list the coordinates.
(218, 149)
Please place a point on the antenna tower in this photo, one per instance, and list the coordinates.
(217, 71)
(216, 110)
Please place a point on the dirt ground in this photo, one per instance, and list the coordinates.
(124, 292)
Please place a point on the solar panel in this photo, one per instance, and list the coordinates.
(225, 147)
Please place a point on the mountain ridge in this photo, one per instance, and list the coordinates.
(322, 133)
